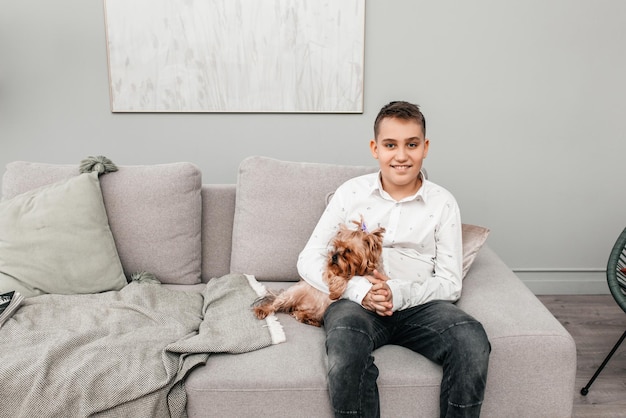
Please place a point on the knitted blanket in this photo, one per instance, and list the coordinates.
(123, 353)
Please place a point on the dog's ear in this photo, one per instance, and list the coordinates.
(375, 240)
(366, 265)
(375, 244)
(379, 231)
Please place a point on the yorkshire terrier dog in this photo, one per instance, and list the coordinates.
(354, 253)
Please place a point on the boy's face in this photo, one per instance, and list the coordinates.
(400, 149)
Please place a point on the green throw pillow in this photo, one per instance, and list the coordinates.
(56, 239)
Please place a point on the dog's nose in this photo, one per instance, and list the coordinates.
(334, 258)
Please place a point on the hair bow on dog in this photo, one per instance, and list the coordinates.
(363, 226)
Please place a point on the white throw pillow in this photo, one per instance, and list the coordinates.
(474, 237)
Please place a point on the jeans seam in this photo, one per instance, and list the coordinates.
(371, 338)
(456, 405)
(339, 411)
(456, 324)
(351, 329)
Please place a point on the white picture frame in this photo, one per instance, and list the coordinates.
(300, 56)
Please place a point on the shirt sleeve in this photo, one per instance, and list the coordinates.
(312, 259)
(445, 282)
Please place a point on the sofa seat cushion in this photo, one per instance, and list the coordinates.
(154, 213)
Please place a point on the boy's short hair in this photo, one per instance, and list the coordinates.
(400, 110)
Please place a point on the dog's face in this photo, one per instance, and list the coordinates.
(355, 252)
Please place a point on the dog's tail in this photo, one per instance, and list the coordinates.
(264, 300)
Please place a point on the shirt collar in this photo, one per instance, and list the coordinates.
(377, 186)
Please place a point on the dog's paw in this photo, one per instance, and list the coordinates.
(334, 295)
(262, 307)
(336, 286)
(260, 313)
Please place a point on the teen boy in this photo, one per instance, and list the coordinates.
(411, 302)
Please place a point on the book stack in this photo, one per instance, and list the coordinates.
(9, 302)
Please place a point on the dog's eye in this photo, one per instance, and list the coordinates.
(347, 251)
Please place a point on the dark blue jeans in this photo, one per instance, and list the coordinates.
(438, 330)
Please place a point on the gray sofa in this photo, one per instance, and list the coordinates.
(198, 231)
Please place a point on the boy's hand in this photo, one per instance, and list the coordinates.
(379, 299)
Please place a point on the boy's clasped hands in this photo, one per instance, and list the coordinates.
(379, 299)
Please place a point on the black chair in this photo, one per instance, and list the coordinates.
(616, 277)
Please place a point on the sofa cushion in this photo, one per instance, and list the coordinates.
(56, 239)
(298, 196)
(154, 213)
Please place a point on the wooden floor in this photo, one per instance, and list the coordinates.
(596, 323)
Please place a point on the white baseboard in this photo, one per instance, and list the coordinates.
(564, 282)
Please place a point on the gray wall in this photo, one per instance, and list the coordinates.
(524, 100)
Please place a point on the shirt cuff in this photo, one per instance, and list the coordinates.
(357, 288)
(396, 294)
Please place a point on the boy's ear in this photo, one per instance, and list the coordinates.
(426, 146)
(374, 148)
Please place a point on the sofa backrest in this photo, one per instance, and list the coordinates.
(166, 222)
(218, 211)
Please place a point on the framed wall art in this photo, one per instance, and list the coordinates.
(301, 56)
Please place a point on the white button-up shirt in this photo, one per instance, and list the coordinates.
(422, 246)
